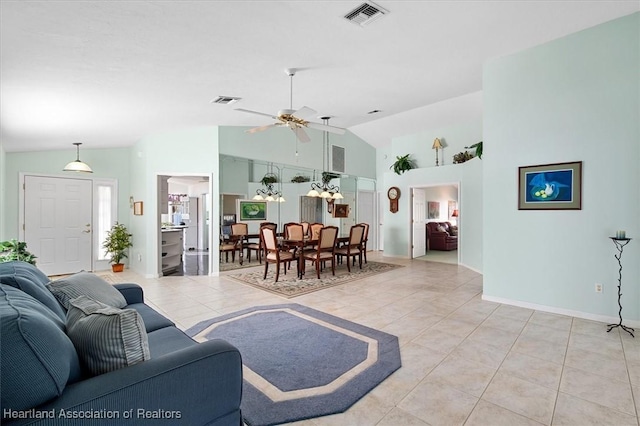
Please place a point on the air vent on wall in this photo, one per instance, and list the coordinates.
(365, 14)
(337, 158)
(225, 100)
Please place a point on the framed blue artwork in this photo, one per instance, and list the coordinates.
(550, 187)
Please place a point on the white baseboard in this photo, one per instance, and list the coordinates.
(568, 312)
(469, 267)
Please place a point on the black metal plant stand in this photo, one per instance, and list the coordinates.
(620, 243)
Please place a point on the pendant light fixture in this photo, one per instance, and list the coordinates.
(269, 193)
(77, 165)
(325, 189)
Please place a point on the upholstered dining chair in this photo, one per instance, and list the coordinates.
(353, 247)
(315, 230)
(325, 250)
(365, 238)
(257, 246)
(292, 232)
(227, 246)
(239, 232)
(305, 228)
(273, 253)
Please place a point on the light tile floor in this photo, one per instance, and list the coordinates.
(464, 360)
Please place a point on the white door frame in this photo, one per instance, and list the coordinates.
(433, 185)
(95, 264)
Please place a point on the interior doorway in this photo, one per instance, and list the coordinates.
(184, 218)
(436, 203)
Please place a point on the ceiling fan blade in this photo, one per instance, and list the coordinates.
(261, 128)
(257, 113)
(305, 111)
(325, 127)
(301, 134)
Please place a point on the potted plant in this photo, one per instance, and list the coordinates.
(327, 176)
(15, 250)
(462, 156)
(402, 164)
(478, 147)
(269, 179)
(116, 244)
(300, 179)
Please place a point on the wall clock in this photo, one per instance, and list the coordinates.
(393, 193)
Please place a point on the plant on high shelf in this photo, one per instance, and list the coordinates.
(402, 164)
(300, 179)
(478, 147)
(269, 179)
(116, 245)
(462, 157)
(327, 176)
(15, 250)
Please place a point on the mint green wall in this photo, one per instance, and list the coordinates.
(279, 146)
(106, 163)
(397, 226)
(192, 152)
(573, 99)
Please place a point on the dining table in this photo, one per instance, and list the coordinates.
(301, 244)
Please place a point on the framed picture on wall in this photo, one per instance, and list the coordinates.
(550, 187)
(433, 210)
(252, 210)
(453, 206)
(341, 210)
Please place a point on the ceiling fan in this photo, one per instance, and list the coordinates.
(295, 120)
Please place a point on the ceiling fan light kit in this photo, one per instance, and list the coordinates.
(293, 119)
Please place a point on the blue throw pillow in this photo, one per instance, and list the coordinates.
(105, 337)
(86, 284)
(26, 277)
(37, 358)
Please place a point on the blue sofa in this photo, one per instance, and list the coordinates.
(43, 382)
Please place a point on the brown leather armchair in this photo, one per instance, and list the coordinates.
(439, 236)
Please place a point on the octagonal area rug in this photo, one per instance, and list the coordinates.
(300, 363)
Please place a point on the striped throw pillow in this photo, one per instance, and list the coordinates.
(86, 284)
(106, 338)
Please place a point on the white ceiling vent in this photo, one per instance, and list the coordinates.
(365, 14)
(225, 100)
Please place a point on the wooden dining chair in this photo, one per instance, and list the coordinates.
(239, 232)
(315, 230)
(325, 250)
(365, 238)
(273, 253)
(305, 228)
(227, 246)
(257, 246)
(353, 247)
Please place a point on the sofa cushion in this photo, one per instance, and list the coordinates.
(26, 277)
(86, 284)
(167, 340)
(441, 228)
(152, 319)
(37, 358)
(105, 337)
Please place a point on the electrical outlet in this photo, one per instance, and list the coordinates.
(139, 257)
(598, 288)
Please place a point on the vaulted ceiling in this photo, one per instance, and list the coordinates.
(107, 73)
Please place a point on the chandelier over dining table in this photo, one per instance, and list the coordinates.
(269, 193)
(325, 189)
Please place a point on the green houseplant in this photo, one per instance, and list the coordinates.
(327, 176)
(116, 244)
(15, 250)
(478, 147)
(269, 179)
(402, 164)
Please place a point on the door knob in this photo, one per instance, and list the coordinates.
(88, 230)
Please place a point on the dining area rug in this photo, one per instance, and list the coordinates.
(300, 363)
(289, 285)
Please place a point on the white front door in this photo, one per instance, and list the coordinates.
(57, 223)
(419, 220)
